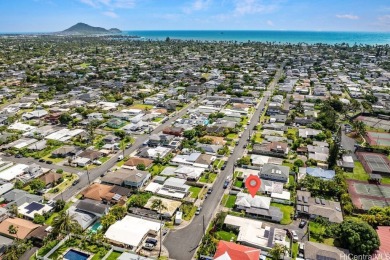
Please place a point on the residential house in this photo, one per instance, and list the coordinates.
(19, 197)
(24, 227)
(176, 131)
(274, 172)
(51, 179)
(135, 161)
(308, 132)
(277, 149)
(128, 178)
(315, 251)
(312, 207)
(346, 163)
(103, 193)
(232, 251)
(92, 207)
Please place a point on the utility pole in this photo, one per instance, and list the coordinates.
(89, 181)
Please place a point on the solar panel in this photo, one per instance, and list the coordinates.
(266, 233)
(33, 206)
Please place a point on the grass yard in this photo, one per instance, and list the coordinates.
(238, 184)
(104, 159)
(55, 214)
(65, 184)
(224, 199)
(316, 234)
(232, 136)
(257, 138)
(195, 192)
(157, 119)
(358, 173)
(53, 159)
(294, 250)
(218, 163)
(226, 236)
(141, 106)
(120, 163)
(288, 164)
(208, 178)
(287, 211)
(231, 200)
(156, 169)
(114, 255)
(188, 211)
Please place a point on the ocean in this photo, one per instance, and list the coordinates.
(310, 37)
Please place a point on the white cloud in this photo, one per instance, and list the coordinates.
(270, 23)
(112, 4)
(197, 5)
(384, 20)
(110, 14)
(347, 16)
(243, 7)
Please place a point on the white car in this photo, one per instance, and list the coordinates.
(295, 236)
(97, 162)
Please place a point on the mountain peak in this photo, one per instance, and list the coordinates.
(83, 28)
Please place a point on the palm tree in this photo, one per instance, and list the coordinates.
(158, 205)
(122, 146)
(277, 251)
(14, 210)
(65, 224)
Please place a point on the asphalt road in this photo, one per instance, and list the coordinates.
(183, 243)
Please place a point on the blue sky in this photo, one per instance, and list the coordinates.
(317, 15)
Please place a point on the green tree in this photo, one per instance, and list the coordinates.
(158, 205)
(189, 134)
(298, 163)
(37, 184)
(277, 251)
(118, 211)
(141, 167)
(59, 205)
(358, 237)
(65, 224)
(65, 118)
(19, 184)
(38, 219)
(128, 101)
(16, 250)
(122, 146)
(107, 220)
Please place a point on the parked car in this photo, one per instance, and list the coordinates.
(49, 162)
(18, 155)
(75, 182)
(303, 223)
(197, 212)
(120, 158)
(97, 162)
(294, 236)
(148, 246)
(210, 190)
(41, 160)
(226, 184)
(152, 241)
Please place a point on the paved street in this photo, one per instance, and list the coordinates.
(182, 244)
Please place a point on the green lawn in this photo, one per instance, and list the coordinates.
(156, 169)
(226, 236)
(114, 255)
(84, 65)
(238, 184)
(230, 202)
(120, 163)
(51, 218)
(224, 199)
(231, 136)
(141, 106)
(188, 211)
(53, 159)
(65, 184)
(287, 211)
(208, 177)
(195, 192)
(104, 159)
(157, 119)
(257, 138)
(294, 249)
(316, 234)
(288, 164)
(358, 173)
(217, 164)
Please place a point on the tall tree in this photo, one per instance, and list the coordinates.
(65, 224)
(158, 205)
(277, 251)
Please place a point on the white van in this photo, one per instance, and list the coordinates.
(120, 158)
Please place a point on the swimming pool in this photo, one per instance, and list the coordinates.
(75, 255)
(95, 227)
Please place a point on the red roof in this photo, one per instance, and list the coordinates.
(384, 237)
(236, 251)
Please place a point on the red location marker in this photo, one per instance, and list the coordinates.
(253, 183)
